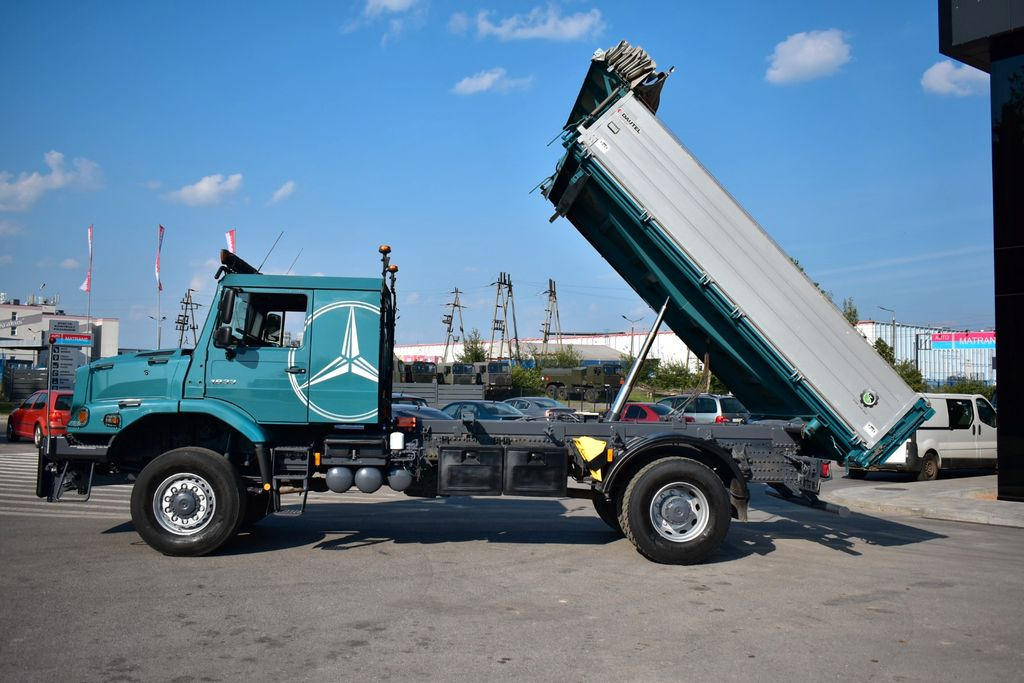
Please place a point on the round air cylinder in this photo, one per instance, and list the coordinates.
(339, 479)
(369, 479)
(399, 478)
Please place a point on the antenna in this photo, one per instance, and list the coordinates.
(454, 308)
(271, 251)
(287, 272)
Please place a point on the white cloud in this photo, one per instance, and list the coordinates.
(212, 189)
(945, 78)
(400, 16)
(10, 229)
(69, 264)
(376, 7)
(495, 79)
(545, 23)
(20, 194)
(806, 56)
(282, 193)
(458, 23)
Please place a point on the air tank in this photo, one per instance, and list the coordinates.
(369, 479)
(339, 479)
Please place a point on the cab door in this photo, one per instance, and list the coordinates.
(260, 369)
(344, 356)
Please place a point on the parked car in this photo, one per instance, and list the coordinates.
(705, 408)
(644, 412)
(408, 399)
(483, 410)
(43, 414)
(540, 406)
(961, 434)
(421, 412)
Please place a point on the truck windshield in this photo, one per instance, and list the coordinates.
(497, 367)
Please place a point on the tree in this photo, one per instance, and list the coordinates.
(526, 378)
(911, 375)
(473, 350)
(965, 385)
(564, 357)
(885, 351)
(673, 376)
(850, 311)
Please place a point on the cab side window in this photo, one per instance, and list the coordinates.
(986, 413)
(961, 413)
(262, 318)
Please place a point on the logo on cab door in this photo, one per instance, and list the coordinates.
(330, 376)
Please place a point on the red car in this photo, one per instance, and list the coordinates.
(644, 412)
(42, 414)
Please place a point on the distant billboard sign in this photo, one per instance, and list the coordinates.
(964, 340)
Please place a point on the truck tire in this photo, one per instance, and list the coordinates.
(563, 393)
(675, 511)
(188, 502)
(552, 391)
(607, 510)
(590, 395)
(929, 467)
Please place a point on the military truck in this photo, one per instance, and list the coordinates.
(495, 374)
(589, 382)
(214, 437)
(421, 372)
(457, 373)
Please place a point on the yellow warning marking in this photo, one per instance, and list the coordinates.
(589, 448)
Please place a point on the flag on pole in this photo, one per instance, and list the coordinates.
(159, 244)
(87, 285)
(230, 237)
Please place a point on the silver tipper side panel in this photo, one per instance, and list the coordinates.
(714, 233)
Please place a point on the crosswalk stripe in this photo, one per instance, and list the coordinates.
(14, 512)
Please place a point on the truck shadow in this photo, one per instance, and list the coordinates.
(351, 526)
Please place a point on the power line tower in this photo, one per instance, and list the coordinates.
(186, 320)
(504, 304)
(448, 319)
(551, 318)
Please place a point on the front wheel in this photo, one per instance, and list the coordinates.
(12, 436)
(675, 511)
(188, 502)
(590, 395)
(929, 468)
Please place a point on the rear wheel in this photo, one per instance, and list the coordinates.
(188, 502)
(590, 395)
(608, 511)
(675, 511)
(552, 391)
(37, 435)
(929, 468)
(12, 437)
(563, 393)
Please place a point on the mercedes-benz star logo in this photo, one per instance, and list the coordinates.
(350, 363)
(349, 360)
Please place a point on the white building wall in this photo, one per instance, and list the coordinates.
(28, 325)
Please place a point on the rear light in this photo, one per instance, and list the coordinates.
(826, 470)
(405, 423)
(687, 418)
(719, 419)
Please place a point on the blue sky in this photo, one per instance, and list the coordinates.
(840, 128)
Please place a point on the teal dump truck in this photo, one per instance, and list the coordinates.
(215, 437)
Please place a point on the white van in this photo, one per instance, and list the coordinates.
(961, 434)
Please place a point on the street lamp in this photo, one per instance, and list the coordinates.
(632, 323)
(892, 337)
(159, 327)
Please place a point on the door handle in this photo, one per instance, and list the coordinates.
(157, 361)
(295, 370)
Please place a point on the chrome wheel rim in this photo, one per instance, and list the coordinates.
(184, 504)
(680, 512)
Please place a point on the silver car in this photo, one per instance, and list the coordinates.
(540, 406)
(706, 408)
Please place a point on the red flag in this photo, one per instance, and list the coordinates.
(87, 285)
(159, 244)
(230, 237)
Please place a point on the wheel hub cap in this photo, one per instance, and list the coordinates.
(184, 503)
(680, 512)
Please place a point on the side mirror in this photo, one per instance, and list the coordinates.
(226, 308)
(222, 337)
